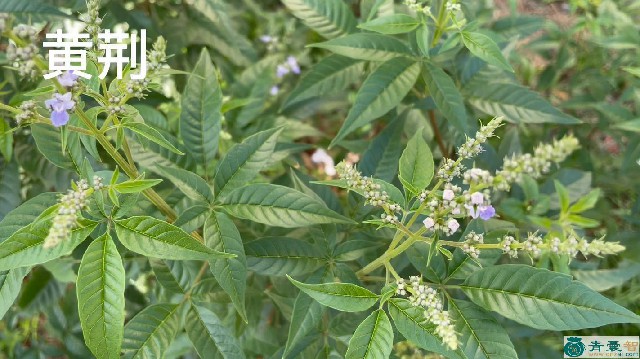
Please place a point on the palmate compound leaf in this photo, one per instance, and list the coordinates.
(345, 297)
(279, 206)
(209, 336)
(372, 339)
(542, 299)
(382, 91)
(25, 247)
(150, 332)
(158, 239)
(100, 290)
(221, 234)
(329, 18)
(201, 116)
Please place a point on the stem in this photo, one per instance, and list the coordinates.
(436, 132)
(439, 23)
(387, 256)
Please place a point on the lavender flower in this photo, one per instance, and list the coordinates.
(266, 38)
(59, 105)
(68, 79)
(281, 70)
(293, 65)
(274, 90)
(486, 212)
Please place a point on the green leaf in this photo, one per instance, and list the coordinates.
(563, 195)
(604, 279)
(48, 141)
(370, 47)
(10, 186)
(380, 160)
(632, 125)
(151, 134)
(100, 289)
(30, 7)
(305, 319)
(10, 283)
(416, 164)
(329, 18)
(25, 247)
(158, 239)
(412, 324)
(221, 234)
(279, 206)
(542, 299)
(483, 46)
(175, 276)
(479, 334)
(446, 96)
(151, 155)
(372, 339)
(210, 338)
(6, 140)
(188, 182)
(516, 103)
(587, 202)
(244, 161)
(392, 24)
(331, 74)
(150, 332)
(26, 214)
(382, 91)
(281, 255)
(201, 116)
(135, 185)
(345, 297)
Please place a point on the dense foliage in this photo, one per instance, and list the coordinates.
(484, 204)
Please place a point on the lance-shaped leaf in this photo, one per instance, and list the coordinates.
(330, 75)
(412, 324)
(280, 255)
(482, 46)
(158, 239)
(151, 134)
(25, 247)
(345, 297)
(49, 144)
(372, 339)
(150, 332)
(175, 276)
(26, 214)
(221, 234)
(279, 206)
(542, 299)
(201, 116)
(10, 283)
(210, 338)
(446, 96)
(391, 24)
(305, 320)
(380, 160)
(329, 18)
(382, 91)
(188, 182)
(370, 47)
(479, 335)
(100, 289)
(416, 164)
(10, 194)
(516, 103)
(244, 161)
(31, 7)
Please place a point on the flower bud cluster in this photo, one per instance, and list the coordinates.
(510, 246)
(157, 58)
(476, 177)
(289, 66)
(469, 244)
(97, 183)
(26, 32)
(71, 204)
(426, 297)
(473, 146)
(371, 191)
(452, 7)
(92, 20)
(449, 169)
(417, 6)
(571, 246)
(532, 244)
(22, 58)
(536, 164)
(114, 107)
(28, 109)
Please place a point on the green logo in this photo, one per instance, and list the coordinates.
(574, 347)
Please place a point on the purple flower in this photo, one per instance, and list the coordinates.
(274, 90)
(293, 65)
(486, 212)
(68, 79)
(281, 71)
(59, 105)
(266, 38)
